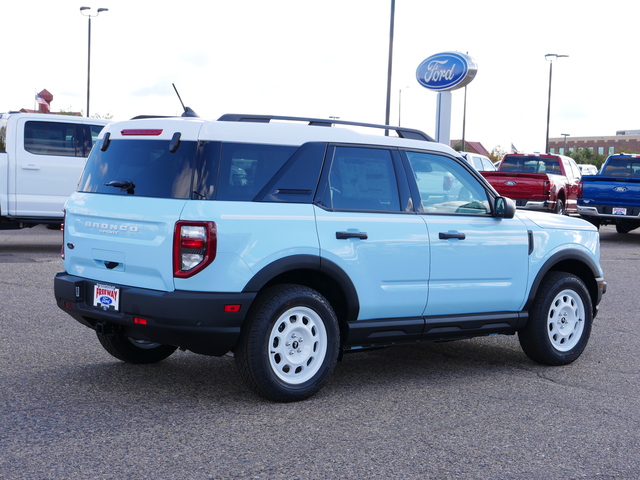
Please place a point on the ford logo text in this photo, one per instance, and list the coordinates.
(446, 71)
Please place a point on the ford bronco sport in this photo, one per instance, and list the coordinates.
(289, 241)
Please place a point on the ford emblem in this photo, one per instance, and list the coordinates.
(446, 71)
(511, 183)
(620, 189)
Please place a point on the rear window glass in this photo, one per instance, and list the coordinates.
(50, 138)
(522, 164)
(622, 167)
(144, 168)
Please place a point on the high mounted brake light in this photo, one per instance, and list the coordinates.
(194, 247)
(142, 131)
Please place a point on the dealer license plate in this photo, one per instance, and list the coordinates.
(619, 211)
(106, 297)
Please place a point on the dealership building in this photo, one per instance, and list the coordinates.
(624, 141)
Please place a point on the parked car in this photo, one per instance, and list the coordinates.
(41, 159)
(480, 162)
(287, 242)
(538, 181)
(586, 169)
(613, 195)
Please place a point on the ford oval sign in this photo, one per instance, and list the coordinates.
(446, 71)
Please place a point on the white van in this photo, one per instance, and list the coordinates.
(41, 159)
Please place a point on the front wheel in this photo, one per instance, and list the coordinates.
(131, 350)
(559, 322)
(290, 344)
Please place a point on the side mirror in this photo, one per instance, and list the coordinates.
(504, 208)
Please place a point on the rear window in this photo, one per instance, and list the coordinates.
(533, 164)
(622, 167)
(144, 168)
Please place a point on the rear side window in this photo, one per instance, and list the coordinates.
(243, 169)
(144, 168)
(51, 138)
(362, 179)
(3, 135)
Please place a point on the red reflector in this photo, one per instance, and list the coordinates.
(68, 305)
(231, 308)
(192, 243)
(140, 321)
(141, 131)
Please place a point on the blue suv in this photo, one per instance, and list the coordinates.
(289, 241)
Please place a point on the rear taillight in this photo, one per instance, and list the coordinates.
(194, 247)
(547, 187)
(64, 219)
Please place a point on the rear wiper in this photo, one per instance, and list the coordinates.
(124, 185)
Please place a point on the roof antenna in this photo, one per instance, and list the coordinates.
(188, 112)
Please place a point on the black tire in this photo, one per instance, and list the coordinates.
(625, 227)
(559, 207)
(289, 345)
(559, 322)
(134, 351)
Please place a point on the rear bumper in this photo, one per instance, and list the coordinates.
(535, 204)
(604, 213)
(194, 321)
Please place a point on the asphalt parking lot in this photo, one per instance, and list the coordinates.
(472, 409)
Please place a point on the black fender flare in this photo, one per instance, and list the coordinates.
(323, 266)
(570, 256)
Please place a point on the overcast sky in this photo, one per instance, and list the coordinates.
(329, 58)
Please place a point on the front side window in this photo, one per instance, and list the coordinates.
(362, 179)
(50, 138)
(446, 187)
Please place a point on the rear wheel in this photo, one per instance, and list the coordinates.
(559, 322)
(131, 350)
(625, 227)
(290, 344)
(559, 207)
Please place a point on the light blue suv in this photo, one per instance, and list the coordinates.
(288, 241)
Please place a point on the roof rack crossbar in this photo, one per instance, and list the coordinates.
(402, 132)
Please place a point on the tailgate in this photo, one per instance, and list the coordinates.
(121, 245)
(606, 190)
(518, 185)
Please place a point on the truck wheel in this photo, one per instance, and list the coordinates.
(559, 207)
(625, 227)
(134, 351)
(290, 344)
(559, 322)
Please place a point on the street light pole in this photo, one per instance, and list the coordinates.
(550, 57)
(89, 16)
(565, 135)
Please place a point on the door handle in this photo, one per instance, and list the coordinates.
(346, 235)
(448, 235)
(30, 166)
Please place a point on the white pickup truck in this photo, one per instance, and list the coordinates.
(41, 159)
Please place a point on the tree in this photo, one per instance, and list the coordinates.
(497, 153)
(587, 156)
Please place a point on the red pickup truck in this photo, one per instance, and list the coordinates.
(538, 181)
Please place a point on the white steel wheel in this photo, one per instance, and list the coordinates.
(566, 320)
(297, 345)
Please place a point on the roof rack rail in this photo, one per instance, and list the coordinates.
(402, 132)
